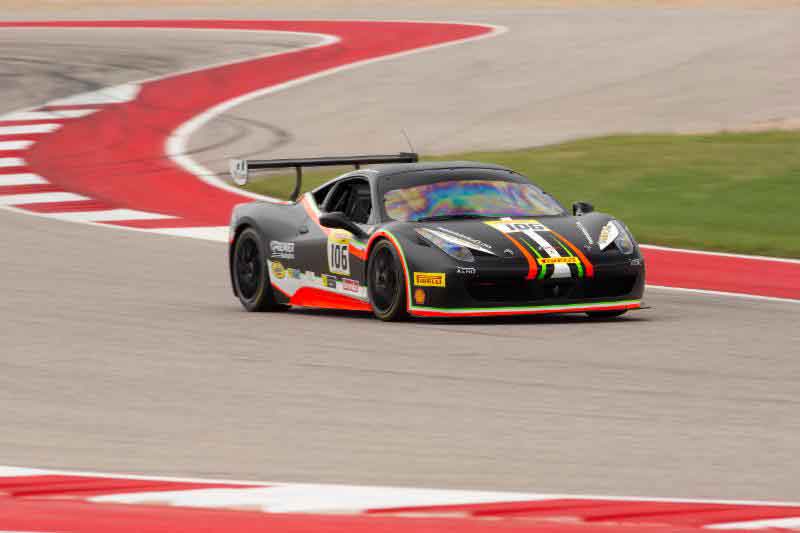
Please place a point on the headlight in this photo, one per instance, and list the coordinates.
(455, 251)
(615, 231)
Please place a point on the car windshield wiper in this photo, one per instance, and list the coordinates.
(452, 217)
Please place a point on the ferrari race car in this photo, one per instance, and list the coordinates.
(444, 239)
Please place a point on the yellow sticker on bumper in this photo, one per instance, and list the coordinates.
(558, 260)
(429, 279)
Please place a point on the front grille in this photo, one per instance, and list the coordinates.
(525, 291)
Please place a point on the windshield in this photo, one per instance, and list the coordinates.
(466, 198)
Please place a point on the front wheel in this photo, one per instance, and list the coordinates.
(250, 274)
(386, 284)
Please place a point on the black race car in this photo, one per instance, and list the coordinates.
(445, 239)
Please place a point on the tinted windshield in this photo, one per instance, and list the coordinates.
(465, 198)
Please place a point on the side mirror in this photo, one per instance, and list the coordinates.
(337, 219)
(581, 208)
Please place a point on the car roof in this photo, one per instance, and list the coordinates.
(400, 174)
(401, 168)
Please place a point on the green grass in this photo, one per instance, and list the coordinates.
(733, 192)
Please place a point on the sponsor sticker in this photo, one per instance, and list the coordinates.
(338, 252)
(429, 279)
(329, 281)
(515, 226)
(281, 250)
(466, 271)
(350, 285)
(558, 260)
(277, 270)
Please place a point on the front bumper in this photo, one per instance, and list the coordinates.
(613, 287)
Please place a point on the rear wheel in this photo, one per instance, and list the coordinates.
(606, 314)
(250, 275)
(386, 284)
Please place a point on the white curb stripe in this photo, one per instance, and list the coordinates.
(782, 523)
(46, 115)
(108, 95)
(15, 145)
(13, 471)
(31, 128)
(6, 162)
(40, 198)
(303, 498)
(108, 215)
(24, 178)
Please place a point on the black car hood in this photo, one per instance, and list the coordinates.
(500, 238)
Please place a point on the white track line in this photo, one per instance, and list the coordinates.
(725, 293)
(40, 198)
(15, 145)
(30, 128)
(46, 115)
(108, 215)
(6, 162)
(720, 254)
(25, 178)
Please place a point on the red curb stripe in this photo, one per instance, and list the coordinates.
(29, 189)
(129, 166)
(70, 207)
(673, 268)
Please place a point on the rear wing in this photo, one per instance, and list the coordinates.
(241, 168)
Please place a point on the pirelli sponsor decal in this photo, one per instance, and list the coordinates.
(559, 261)
(429, 279)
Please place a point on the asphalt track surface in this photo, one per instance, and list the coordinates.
(127, 352)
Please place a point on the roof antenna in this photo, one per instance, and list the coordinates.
(410, 146)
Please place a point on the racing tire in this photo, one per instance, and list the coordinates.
(607, 314)
(250, 274)
(386, 283)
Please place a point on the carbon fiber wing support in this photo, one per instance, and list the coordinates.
(241, 168)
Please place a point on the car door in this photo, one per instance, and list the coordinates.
(335, 255)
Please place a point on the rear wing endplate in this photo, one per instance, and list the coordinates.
(241, 168)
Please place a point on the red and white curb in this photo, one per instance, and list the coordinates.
(51, 500)
(117, 157)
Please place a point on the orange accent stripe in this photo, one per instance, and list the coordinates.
(312, 214)
(361, 254)
(422, 312)
(312, 297)
(586, 263)
(533, 267)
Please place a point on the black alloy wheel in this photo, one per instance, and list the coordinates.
(250, 274)
(386, 283)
